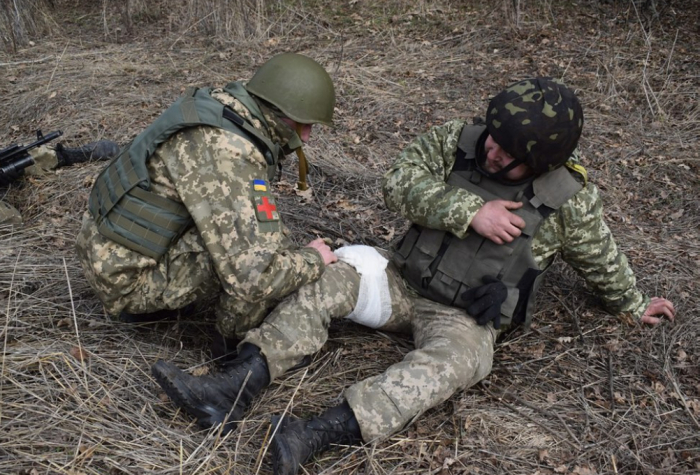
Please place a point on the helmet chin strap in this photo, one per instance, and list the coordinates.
(303, 166)
(500, 174)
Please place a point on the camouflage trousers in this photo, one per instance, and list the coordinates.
(127, 281)
(451, 351)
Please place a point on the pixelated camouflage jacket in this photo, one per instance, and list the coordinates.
(221, 178)
(415, 187)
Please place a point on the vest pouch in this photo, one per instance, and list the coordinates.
(420, 247)
(145, 222)
(471, 259)
(489, 259)
(404, 248)
(444, 289)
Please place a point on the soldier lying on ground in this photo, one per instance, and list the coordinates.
(186, 212)
(492, 205)
(46, 159)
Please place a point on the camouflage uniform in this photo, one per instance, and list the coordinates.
(236, 250)
(45, 161)
(452, 351)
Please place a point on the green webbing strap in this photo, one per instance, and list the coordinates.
(139, 223)
(189, 108)
(151, 237)
(151, 214)
(237, 90)
(254, 136)
(131, 240)
(117, 179)
(161, 202)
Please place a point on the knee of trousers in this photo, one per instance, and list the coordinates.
(455, 345)
(470, 363)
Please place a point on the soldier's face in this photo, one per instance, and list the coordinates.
(305, 128)
(497, 159)
(305, 132)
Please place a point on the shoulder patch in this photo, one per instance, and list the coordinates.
(264, 202)
(266, 209)
(259, 185)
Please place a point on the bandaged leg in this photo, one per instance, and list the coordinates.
(373, 308)
(299, 325)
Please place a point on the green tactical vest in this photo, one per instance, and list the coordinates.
(124, 208)
(441, 267)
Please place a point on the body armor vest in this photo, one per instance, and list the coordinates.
(441, 267)
(124, 208)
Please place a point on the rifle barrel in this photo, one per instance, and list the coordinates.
(13, 152)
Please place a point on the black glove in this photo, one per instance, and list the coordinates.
(484, 302)
(92, 152)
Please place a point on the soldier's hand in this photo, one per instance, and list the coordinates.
(484, 302)
(320, 245)
(495, 222)
(658, 306)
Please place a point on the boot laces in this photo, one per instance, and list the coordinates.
(324, 433)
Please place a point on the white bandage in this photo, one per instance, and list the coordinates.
(373, 307)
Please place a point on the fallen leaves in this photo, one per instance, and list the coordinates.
(79, 353)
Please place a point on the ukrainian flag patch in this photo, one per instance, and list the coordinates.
(259, 185)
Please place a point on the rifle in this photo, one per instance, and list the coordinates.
(15, 158)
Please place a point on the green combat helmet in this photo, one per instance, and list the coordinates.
(298, 86)
(537, 121)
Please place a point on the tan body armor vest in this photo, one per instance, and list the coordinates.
(441, 267)
(125, 209)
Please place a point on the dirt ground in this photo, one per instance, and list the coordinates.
(581, 393)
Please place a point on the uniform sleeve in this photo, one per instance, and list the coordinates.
(415, 184)
(589, 247)
(222, 180)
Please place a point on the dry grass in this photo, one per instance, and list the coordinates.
(581, 393)
(23, 19)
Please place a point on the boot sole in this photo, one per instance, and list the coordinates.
(207, 415)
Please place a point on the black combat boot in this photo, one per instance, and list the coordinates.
(92, 152)
(297, 440)
(223, 349)
(211, 398)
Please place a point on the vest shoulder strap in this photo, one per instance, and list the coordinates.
(237, 90)
(269, 149)
(554, 188)
(466, 146)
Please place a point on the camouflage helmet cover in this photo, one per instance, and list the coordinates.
(298, 86)
(537, 121)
